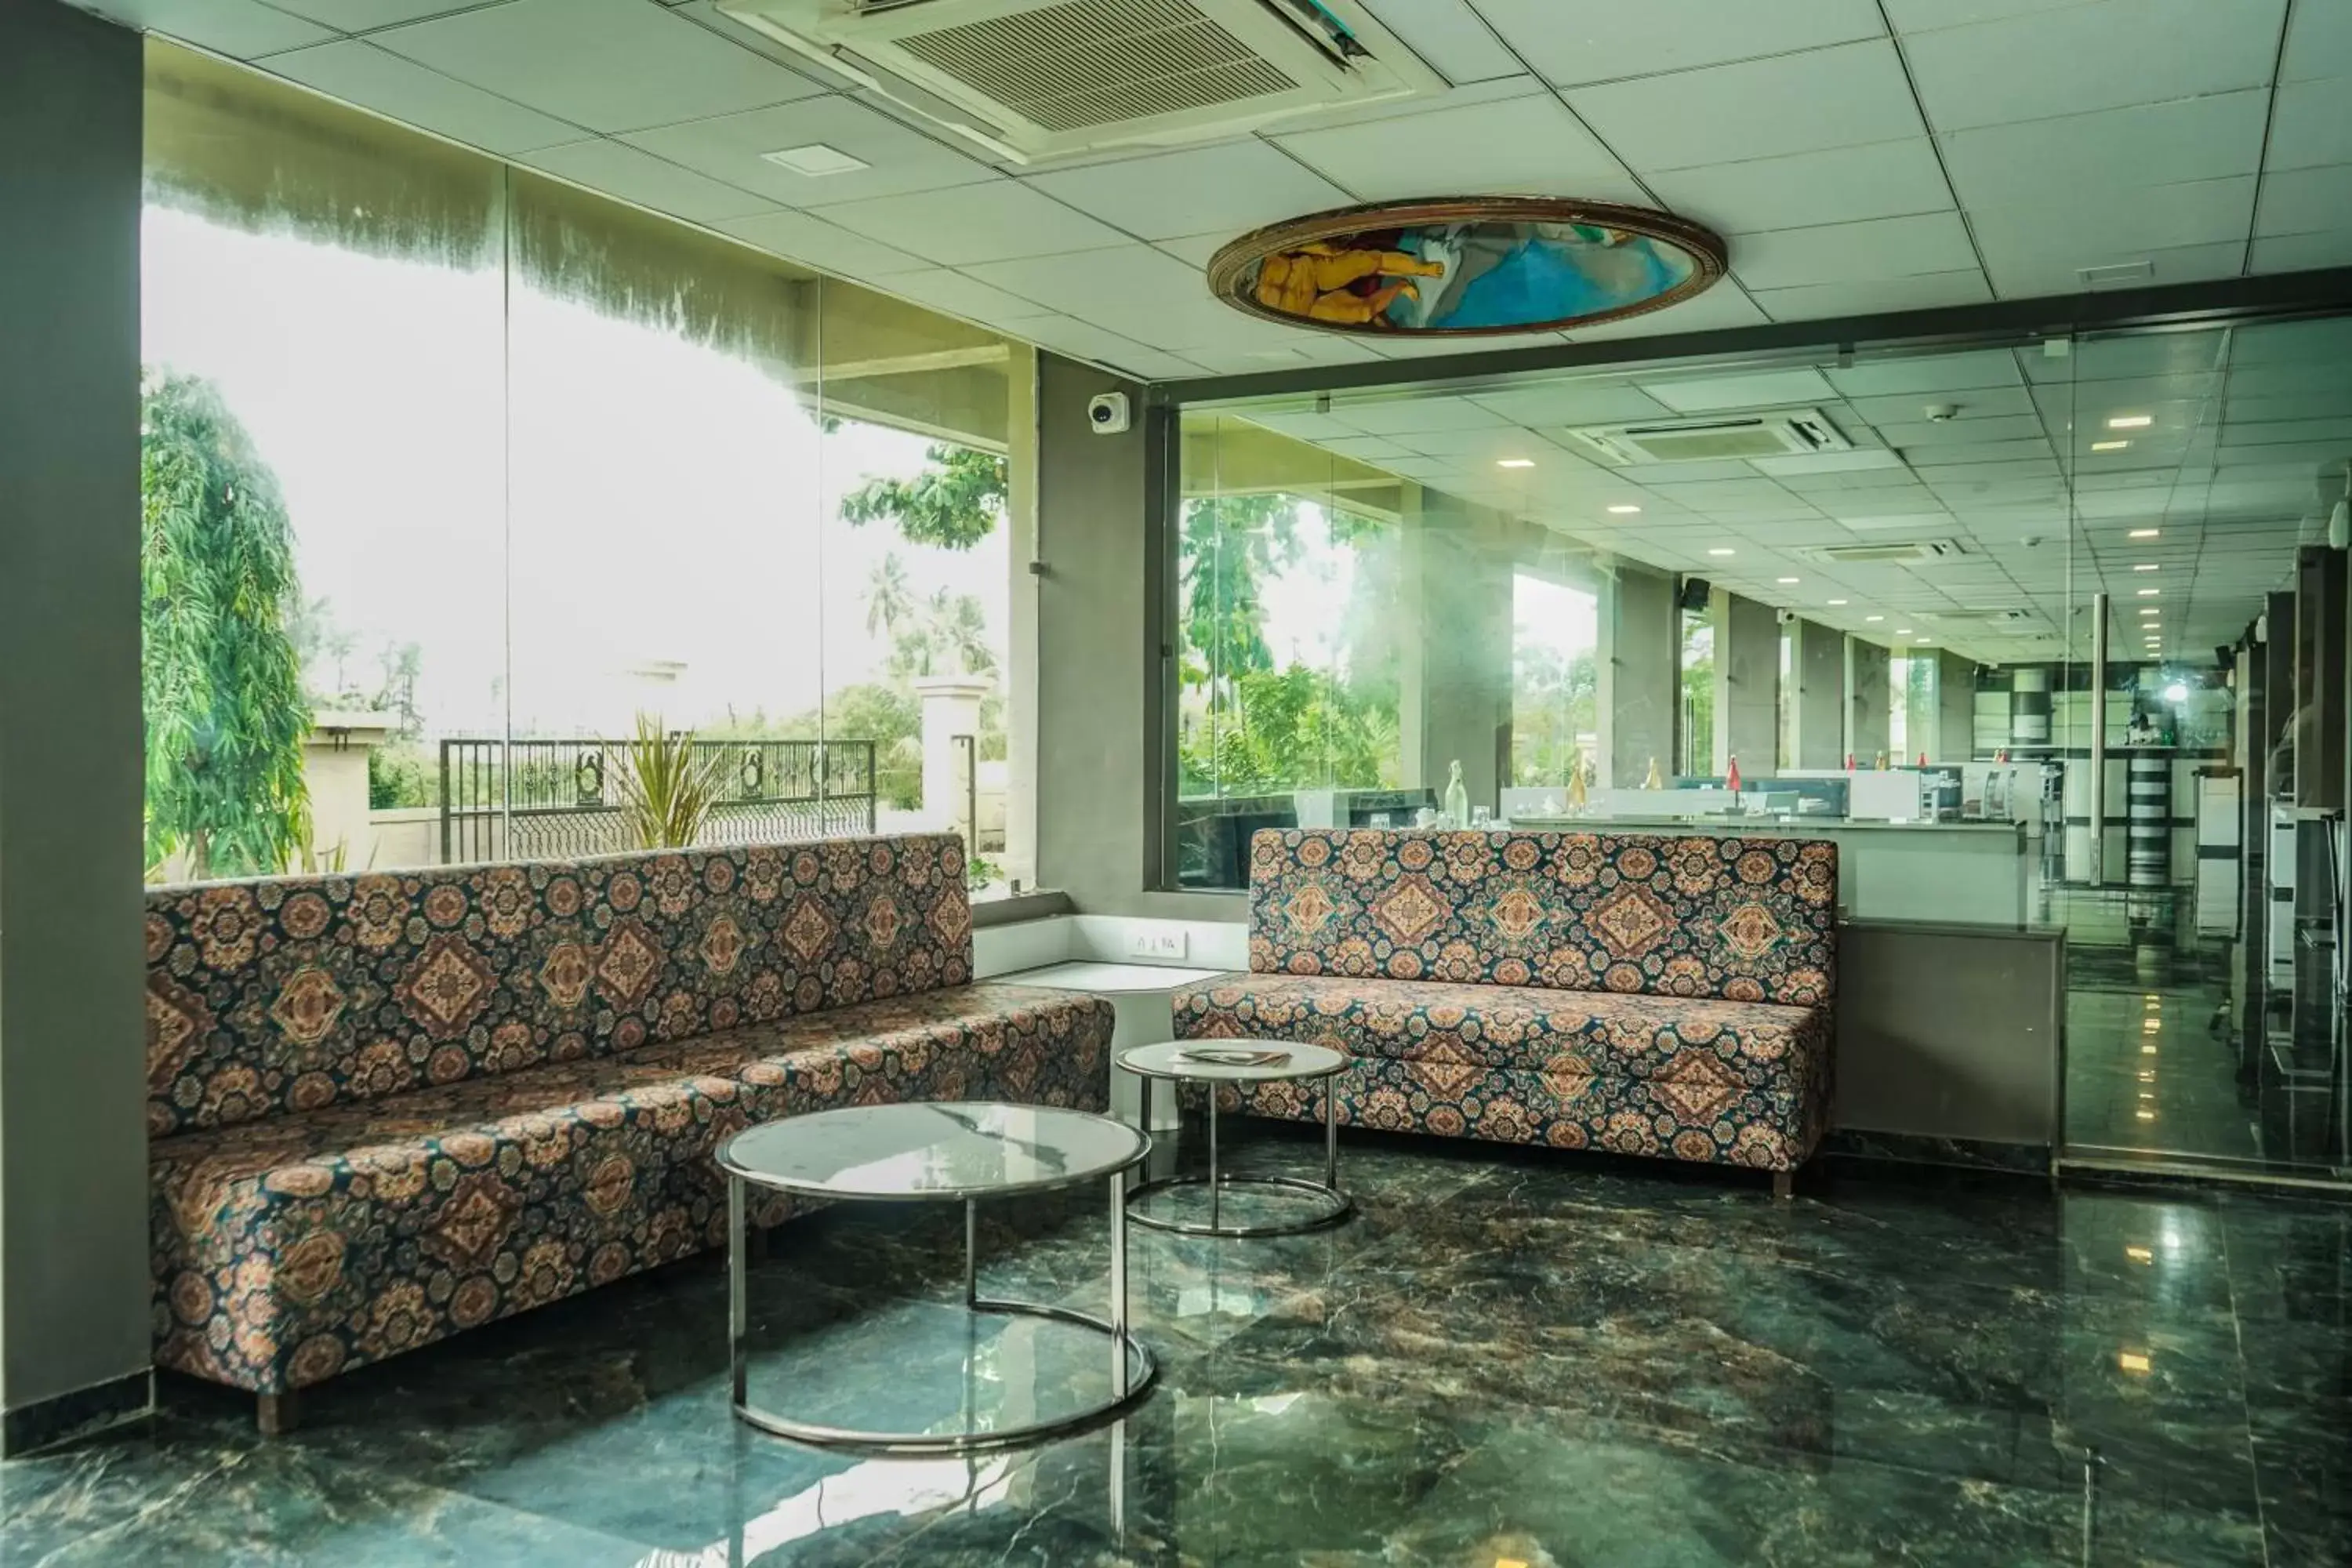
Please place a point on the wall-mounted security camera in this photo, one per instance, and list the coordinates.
(1941, 413)
(1786, 618)
(1108, 414)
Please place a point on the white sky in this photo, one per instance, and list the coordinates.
(660, 501)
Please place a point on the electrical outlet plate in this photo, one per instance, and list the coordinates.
(1156, 944)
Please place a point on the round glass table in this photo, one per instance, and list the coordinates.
(1217, 1063)
(941, 1152)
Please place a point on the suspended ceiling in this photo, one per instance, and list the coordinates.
(1980, 149)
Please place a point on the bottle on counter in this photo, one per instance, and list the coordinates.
(1656, 779)
(1457, 798)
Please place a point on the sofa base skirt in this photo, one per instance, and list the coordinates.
(1752, 1130)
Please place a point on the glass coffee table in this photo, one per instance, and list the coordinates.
(941, 1152)
(1216, 1063)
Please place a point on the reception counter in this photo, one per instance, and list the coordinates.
(1974, 873)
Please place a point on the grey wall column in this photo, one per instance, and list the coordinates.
(74, 1331)
(2029, 705)
(1747, 684)
(1956, 708)
(1818, 734)
(1099, 659)
(1865, 685)
(1641, 647)
(1456, 704)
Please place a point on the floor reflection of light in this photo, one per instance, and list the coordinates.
(903, 1487)
(2132, 1361)
(2140, 1254)
(2148, 1051)
(2147, 1116)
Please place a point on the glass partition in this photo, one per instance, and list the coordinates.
(470, 494)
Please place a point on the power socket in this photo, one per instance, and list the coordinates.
(1156, 944)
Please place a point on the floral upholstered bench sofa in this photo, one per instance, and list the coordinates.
(1667, 996)
(385, 1109)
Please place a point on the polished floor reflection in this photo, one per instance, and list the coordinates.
(1506, 1357)
(2156, 1067)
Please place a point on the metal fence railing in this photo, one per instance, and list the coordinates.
(529, 800)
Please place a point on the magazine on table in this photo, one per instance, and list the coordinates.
(1233, 1057)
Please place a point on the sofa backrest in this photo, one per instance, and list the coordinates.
(1744, 919)
(296, 993)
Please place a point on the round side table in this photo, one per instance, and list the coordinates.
(1219, 1062)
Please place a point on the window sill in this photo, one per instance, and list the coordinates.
(1015, 908)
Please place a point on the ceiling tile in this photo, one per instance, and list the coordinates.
(364, 16)
(1842, 184)
(2307, 200)
(728, 147)
(957, 295)
(640, 177)
(1840, 97)
(1925, 291)
(1568, 403)
(363, 74)
(1527, 144)
(2318, 42)
(994, 221)
(2074, 59)
(2025, 247)
(1080, 340)
(2311, 125)
(2050, 162)
(1752, 389)
(822, 245)
(1141, 294)
(1450, 38)
(1572, 45)
(2027, 274)
(1196, 250)
(1231, 188)
(1853, 252)
(242, 28)
(610, 65)
(1411, 416)
(1921, 15)
(2301, 252)
(1724, 306)
(1928, 374)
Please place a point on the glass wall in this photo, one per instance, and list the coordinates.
(469, 492)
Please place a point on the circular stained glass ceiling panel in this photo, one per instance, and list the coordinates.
(1467, 267)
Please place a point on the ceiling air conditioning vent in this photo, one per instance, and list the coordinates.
(1714, 440)
(1037, 80)
(1906, 551)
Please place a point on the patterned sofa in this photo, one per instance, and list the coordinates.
(1669, 996)
(385, 1109)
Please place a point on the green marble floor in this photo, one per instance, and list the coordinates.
(1505, 1357)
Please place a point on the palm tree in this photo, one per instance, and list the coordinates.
(889, 601)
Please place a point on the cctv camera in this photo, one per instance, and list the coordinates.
(1941, 413)
(1108, 414)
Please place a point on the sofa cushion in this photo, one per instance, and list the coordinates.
(288, 1249)
(1747, 919)
(290, 995)
(1706, 1047)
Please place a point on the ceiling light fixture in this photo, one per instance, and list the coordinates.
(815, 160)
(2131, 421)
(1624, 511)
(1836, 603)
(1720, 550)
(1920, 639)
(2145, 566)
(1515, 462)
(1903, 631)
(2149, 593)
(1874, 617)
(2148, 610)
(2145, 532)
(1784, 582)
(2109, 445)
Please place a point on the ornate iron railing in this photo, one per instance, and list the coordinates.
(526, 800)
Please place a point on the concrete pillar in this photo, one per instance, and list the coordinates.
(1817, 737)
(950, 730)
(1866, 693)
(1747, 684)
(335, 767)
(1021, 685)
(1956, 709)
(1456, 651)
(1640, 645)
(2029, 705)
(74, 1293)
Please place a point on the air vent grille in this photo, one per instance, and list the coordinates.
(1088, 63)
(1800, 432)
(1909, 550)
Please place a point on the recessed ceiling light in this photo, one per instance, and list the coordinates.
(2145, 532)
(2145, 566)
(2149, 593)
(1784, 582)
(1720, 550)
(815, 160)
(1903, 631)
(1515, 462)
(1874, 617)
(2131, 421)
(1836, 603)
(1624, 511)
(2109, 445)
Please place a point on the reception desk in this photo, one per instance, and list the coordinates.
(1973, 873)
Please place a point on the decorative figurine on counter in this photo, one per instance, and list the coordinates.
(1731, 776)
(1578, 798)
(1656, 779)
(1849, 762)
(1879, 763)
(1457, 798)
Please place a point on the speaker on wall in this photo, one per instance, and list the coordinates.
(1697, 594)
